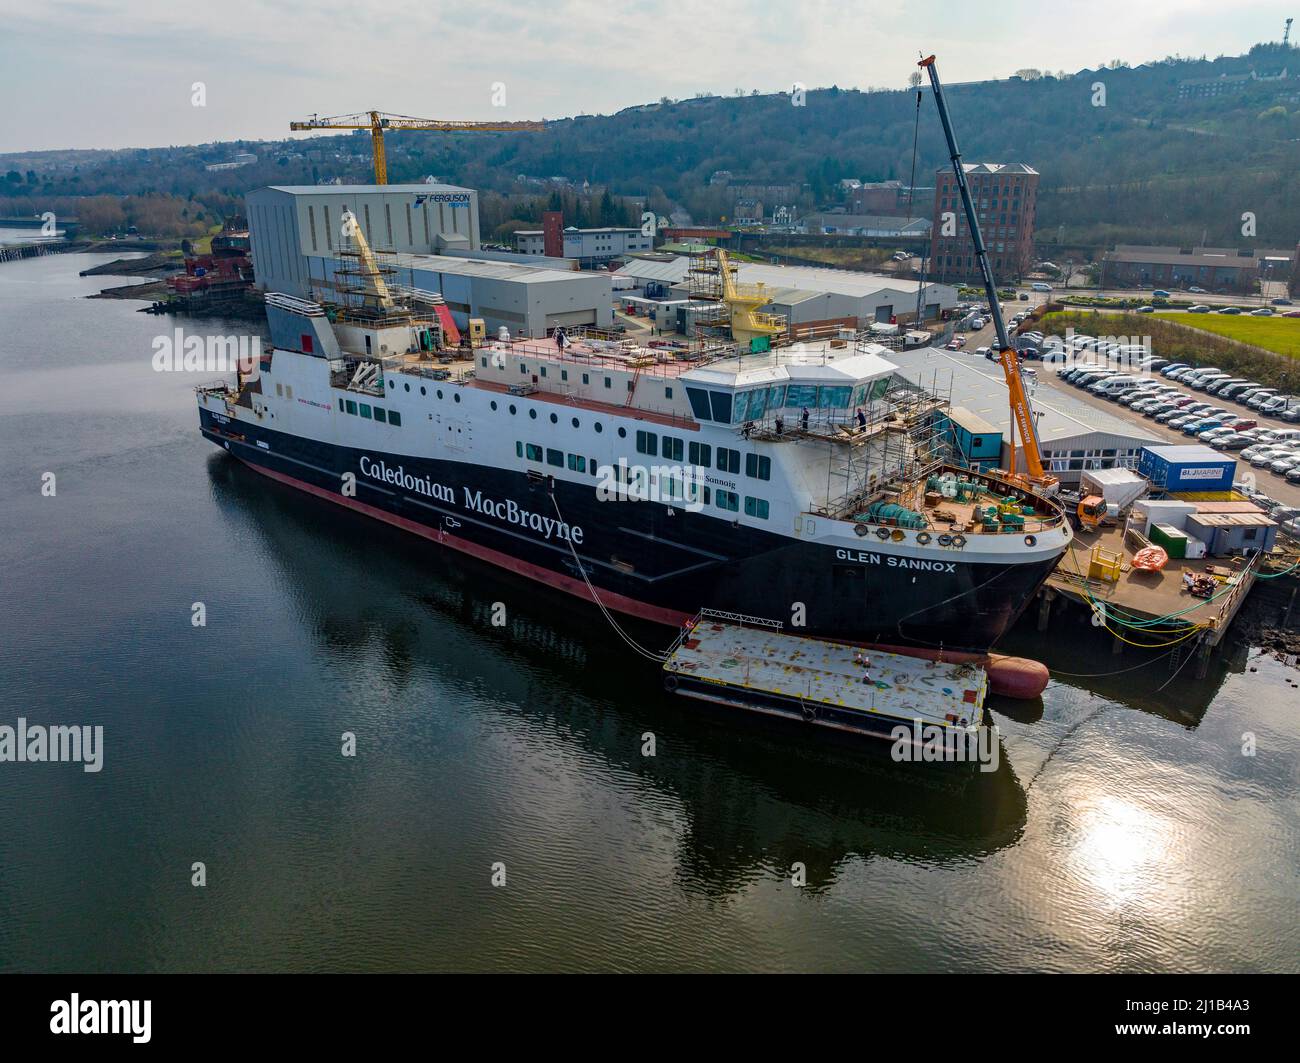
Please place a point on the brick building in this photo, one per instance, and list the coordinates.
(1005, 196)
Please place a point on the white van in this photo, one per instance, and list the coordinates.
(1040, 286)
(1112, 384)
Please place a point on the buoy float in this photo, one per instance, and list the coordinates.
(1016, 677)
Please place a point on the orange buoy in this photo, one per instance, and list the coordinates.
(1016, 677)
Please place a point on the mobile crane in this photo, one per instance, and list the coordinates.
(1022, 415)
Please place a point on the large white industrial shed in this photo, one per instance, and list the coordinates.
(428, 234)
(1073, 435)
(287, 223)
(528, 300)
(811, 293)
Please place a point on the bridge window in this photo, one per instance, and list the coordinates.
(758, 466)
(721, 402)
(699, 403)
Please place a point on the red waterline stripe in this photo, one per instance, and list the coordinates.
(621, 603)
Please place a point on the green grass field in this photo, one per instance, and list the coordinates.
(1279, 334)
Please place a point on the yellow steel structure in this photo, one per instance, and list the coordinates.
(378, 121)
(743, 301)
(377, 290)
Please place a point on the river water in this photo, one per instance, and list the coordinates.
(1124, 829)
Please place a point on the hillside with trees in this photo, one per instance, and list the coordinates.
(1124, 156)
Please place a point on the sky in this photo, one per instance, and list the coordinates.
(122, 73)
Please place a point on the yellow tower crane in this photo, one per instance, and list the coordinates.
(378, 121)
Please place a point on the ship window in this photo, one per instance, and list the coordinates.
(422, 391)
(706, 494)
(555, 457)
(758, 466)
(512, 409)
(523, 368)
(543, 370)
(699, 403)
(380, 415)
(494, 405)
(352, 406)
(756, 507)
(647, 443)
(729, 501)
(533, 413)
(483, 360)
(407, 386)
(439, 393)
(395, 418)
(456, 397)
(674, 448)
(533, 452)
(728, 460)
(575, 422)
(288, 392)
(577, 463)
(340, 405)
(608, 383)
(721, 406)
(585, 379)
(591, 462)
(279, 390)
(622, 433)
(599, 427)
(554, 419)
(668, 393)
(564, 374)
(365, 410)
(519, 449)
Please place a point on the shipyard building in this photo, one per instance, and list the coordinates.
(808, 297)
(1074, 436)
(427, 237)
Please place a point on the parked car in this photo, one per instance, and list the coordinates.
(1282, 302)
(1235, 441)
(1291, 416)
(1199, 425)
(1293, 477)
(983, 350)
(1145, 310)
(1200, 308)
(1160, 293)
(1263, 311)
(1230, 310)
(1197, 291)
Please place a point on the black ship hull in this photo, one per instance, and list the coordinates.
(643, 560)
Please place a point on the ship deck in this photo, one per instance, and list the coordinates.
(742, 658)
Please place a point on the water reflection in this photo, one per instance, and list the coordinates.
(754, 797)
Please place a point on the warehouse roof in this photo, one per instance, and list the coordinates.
(334, 190)
(980, 386)
(477, 267)
(805, 278)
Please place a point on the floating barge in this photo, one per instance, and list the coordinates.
(750, 663)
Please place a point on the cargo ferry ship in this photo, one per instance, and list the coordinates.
(806, 483)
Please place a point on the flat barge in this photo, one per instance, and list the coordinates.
(751, 663)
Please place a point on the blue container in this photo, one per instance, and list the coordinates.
(1187, 468)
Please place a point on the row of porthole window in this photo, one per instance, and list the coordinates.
(370, 413)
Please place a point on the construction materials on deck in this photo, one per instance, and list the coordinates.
(752, 664)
